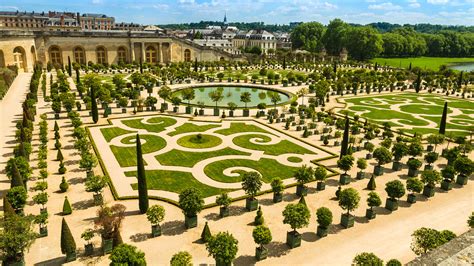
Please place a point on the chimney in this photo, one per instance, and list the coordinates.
(62, 20)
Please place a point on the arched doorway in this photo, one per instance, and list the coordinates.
(101, 54)
(121, 55)
(2, 59)
(151, 54)
(187, 55)
(79, 55)
(19, 59)
(55, 55)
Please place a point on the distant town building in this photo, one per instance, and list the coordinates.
(259, 38)
(90, 21)
(283, 40)
(221, 44)
(128, 26)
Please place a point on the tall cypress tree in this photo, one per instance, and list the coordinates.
(442, 124)
(460, 79)
(409, 67)
(418, 82)
(78, 77)
(284, 62)
(94, 110)
(142, 187)
(141, 65)
(69, 66)
(195, 65)
(345, 139)
(17, 180)
(68, 245)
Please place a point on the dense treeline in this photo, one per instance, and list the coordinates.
(364, 42)
(7, 75)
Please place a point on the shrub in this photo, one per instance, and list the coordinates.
(17, 197)
(395, 189)
(259, 220)
(223, 247)
(190, 201)
(66, 207)
(426, 239)
(125, 254)
(320, 173)
(430, 178)
(64, 185)
(223, 200)
(324, 217)
(182, 258)
(296, 215)
(349, 199)
(373, 200)
(262, 235)
(414, 185)
(394, 262)
(366, 258)
(277, 185)
(155, 214)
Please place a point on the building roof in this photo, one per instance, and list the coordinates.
(93, 15)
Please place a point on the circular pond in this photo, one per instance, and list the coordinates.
(232, 94)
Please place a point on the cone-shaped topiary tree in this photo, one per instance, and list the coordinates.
(7, 207)
(17, 180)
(68, 245)
(259, 220)
(345, 139)
(371, 185)
(66, 207)
(442, 124)
(59, 156)
(142, 186)
(206, 233)
(94, 110)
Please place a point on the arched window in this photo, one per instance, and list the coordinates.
(55, 55)
(187, 55)
(150, 54)
(101, 55)
(79, 55)
(121, 55)
(2, 59)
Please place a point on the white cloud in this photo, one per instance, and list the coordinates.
(9, 7)
(97, 2)
(330, 6)
(385, 6)
(413, 3)
(437, 2)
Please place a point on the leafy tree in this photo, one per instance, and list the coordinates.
(415, 148)
(363, 42)
(95, 184)
(190, 201)
(245, 97)
(164, 92)
(223, 247)
(334, 36)
(382, 155)
(262, 235)
(308, 36)
(324, 217)
(470, 221)
(426, 239)
(66, 207)
(345, 163)
(277, 185)
(320, 173)
(251, 183)
(361, 164)
(366, 258)
(22, 165)
(125, 254)
(395, 189)
(223, 200)
(68, 245)
(414, 185)
(373, 200)
(296, 215)
(430, 178)
(394, 262)
(94, 110)
(304, 174)
(41, 198)
(216, 96)
(188, 95)
(142, 184)
(431, 157)
(17, 197)
(16, 237)
(464, 166)
(206, 233)
(182, 258)
(155, 214)
(349, 199)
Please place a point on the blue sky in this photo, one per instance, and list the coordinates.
(452, 12)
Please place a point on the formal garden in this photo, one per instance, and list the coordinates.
(413, 113)
(286, 173)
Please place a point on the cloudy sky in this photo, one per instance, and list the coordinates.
(452, 12)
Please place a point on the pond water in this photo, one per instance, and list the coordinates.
(467, 67)
(232, 94)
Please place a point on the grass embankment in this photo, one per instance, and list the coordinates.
(432, 63)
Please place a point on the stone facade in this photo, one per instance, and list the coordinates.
(24, 48)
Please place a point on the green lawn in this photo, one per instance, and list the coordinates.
(190, 127)
(174, 181)
(282, 147)
(239, 127)
(192, 142)
(127, 156)
(268, 168)
(189, 159)
(423, 62)
(157, 124)
(112, 132)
